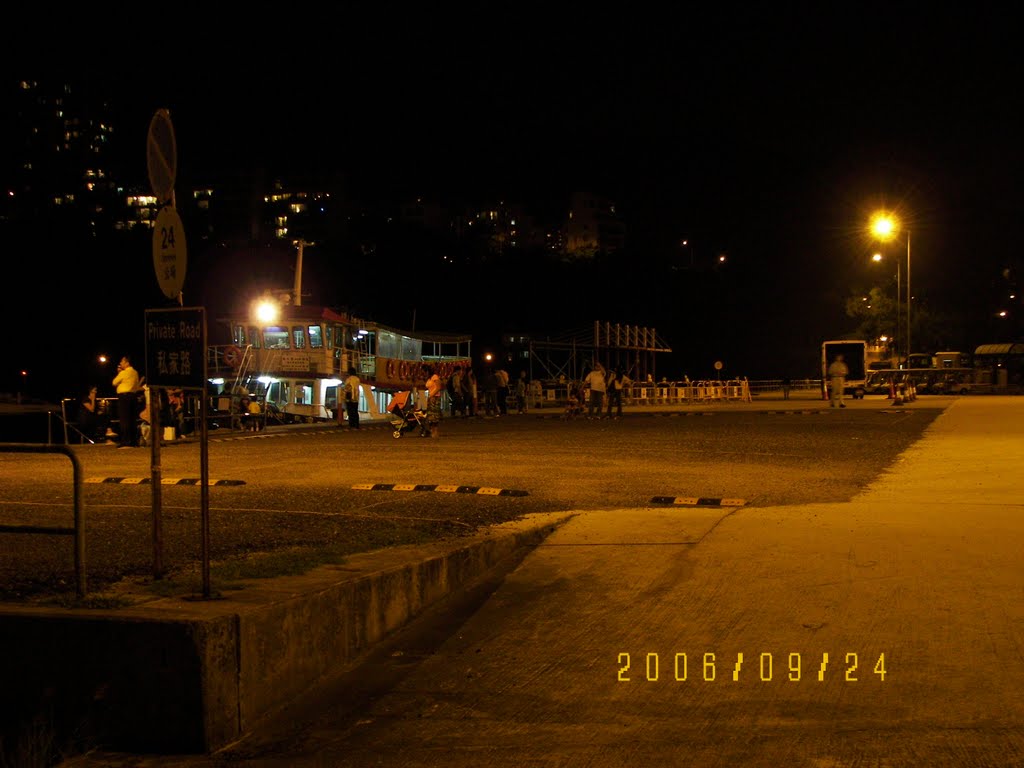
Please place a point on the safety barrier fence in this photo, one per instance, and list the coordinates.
(671, 393)
(78, 529)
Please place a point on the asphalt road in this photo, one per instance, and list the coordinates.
(295, 485)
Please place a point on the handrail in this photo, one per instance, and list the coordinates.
(78, 531)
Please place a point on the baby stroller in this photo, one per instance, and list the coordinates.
(405, 416)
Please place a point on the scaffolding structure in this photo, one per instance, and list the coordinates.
(629, 349)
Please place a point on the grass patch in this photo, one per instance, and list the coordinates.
(267, 565)
(97, 601)
(233, 574)
(292, 561)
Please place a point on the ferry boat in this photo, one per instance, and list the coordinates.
(294, 364)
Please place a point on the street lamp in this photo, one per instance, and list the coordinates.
(885, 226)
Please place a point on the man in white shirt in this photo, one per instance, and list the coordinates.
(595, 382)
(837, 373)
(126, 383)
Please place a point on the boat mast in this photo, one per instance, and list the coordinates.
(297, 297)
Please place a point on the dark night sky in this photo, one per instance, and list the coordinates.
(766, 132)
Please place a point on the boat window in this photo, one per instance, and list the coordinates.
(298, 337)
(316, 337)
(254, 336)
(303, 392)
(275, 337)
(387, 345)
(238, 335)
(411, 348)
(274, 392)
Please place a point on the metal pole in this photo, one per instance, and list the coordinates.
(909, 347)
(204, 484)
(156, 482)
(897, 332)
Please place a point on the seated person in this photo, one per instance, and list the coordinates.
(144, 419)
(172, 411)
(93, 420)
(244, 420)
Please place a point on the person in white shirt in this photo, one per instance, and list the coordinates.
(837, 373)
(595, 382)
(126, 383)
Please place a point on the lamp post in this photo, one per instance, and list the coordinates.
(885, 226)
(896, 330)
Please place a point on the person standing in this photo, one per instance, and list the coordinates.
(595, 382)
(469, 391)
(125, 384)
(434, 389)
(614, 385)
(837, 373)
(502, 395)
(491, 393)
(352, 385)
(786, 386)
(521, 392)
(456, 401)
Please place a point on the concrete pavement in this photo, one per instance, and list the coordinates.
(886, 631)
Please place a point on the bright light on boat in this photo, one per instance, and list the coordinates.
(267, 311)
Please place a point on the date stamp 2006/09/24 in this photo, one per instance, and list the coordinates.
(708, 667)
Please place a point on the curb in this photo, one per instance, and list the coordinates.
(180, 676)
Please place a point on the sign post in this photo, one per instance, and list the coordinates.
(176, 358)
(175, 338)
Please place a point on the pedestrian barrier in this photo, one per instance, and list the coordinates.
(696, 391)
(78, 530)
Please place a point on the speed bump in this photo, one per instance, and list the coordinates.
(478, 490)
(163, 481)
(697, 501)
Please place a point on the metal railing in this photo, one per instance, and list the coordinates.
(78, 529)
